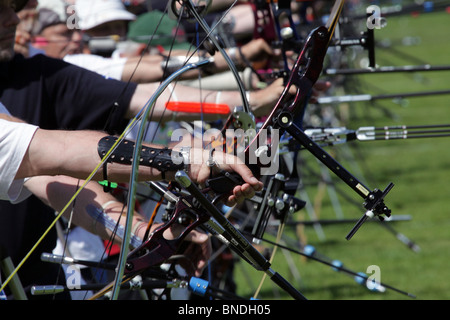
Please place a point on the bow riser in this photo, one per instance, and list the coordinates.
(157, 249)
(304, 75)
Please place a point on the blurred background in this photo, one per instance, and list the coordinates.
(411, 251)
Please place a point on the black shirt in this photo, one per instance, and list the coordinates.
(52, 94)
(57, 95)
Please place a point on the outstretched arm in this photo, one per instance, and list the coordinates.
(74, 153)
(56, 191)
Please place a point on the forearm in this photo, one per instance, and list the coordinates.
(220, 5)
(153, 68)
(92, 201)
(75, 154)
(143, 71)
(182, 93)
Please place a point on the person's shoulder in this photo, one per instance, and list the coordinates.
(38, 63)
(19, 58)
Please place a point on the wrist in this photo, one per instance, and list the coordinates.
(160, 160)
(139, 229)
(235, 55)
(247, 96)
(186, 154)
(112, 203)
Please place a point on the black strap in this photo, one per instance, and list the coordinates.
(161, 159)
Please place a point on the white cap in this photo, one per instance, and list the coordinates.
(57, 6)
(92, 13)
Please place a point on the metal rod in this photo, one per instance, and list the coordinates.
(241, 245)
(334, 266)
(386, 69)
(369, 97)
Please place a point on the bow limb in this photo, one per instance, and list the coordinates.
(286, 115)
(305, 72)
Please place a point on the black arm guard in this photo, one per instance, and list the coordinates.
(161, 159)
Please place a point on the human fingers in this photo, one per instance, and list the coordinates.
(240, 193)
(199, 254)
(318, 88)
(199, 251)
(197, 237)
(235, 164)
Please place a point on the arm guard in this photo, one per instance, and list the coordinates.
(162, 159)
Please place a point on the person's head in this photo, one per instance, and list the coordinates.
(52, 35)
(102, 18)
(160, 29)
(28, 15)
(8, 24)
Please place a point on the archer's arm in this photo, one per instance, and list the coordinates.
(71, 153)
(75, 154)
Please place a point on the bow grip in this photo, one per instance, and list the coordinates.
(224, 183)
(157, 249)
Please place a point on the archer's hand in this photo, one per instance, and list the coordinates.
(22, 42)
(258, 50)
(263, 101)
(198, 251)
(199, 171)
(318, 89)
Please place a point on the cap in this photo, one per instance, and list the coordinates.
(58, 6)
(92, 13)
(46, 18)
(160, 28)
(20, 4)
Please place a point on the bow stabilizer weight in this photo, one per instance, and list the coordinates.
(375, 207)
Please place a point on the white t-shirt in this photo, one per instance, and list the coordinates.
(111, 68)
(15, 138)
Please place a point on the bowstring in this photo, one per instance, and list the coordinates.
(189, 55)
(135, 121)
(132, 124)
(278, 239)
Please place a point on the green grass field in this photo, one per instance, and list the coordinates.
(419, 168)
